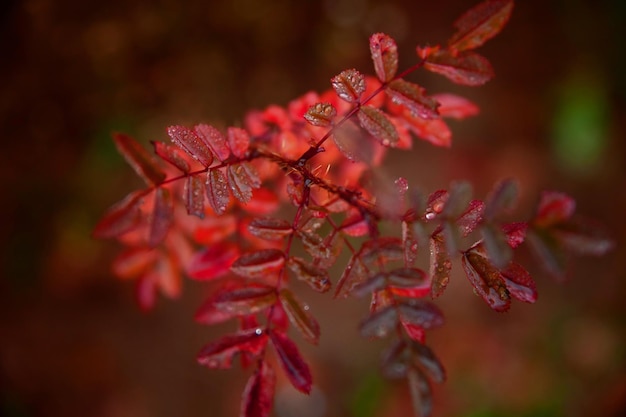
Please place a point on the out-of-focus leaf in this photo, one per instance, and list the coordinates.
(194, 196)
(435, 204)
(420, 313)
(519, 283)
(549, 251)
(497, 246)
(459, 197)
(515, 233)
(219, 354)
(554, 208)
(314, 277)
(378, 125)
(189, 141)
(486, 280)
(208, 313)
(213, 262)
(139, 159)
(321, 114)
(435, 131)
(410, 243)
(379, 323)
(121, 217)
(242, 179)
(300, 316)
(238, 141)
(584, 237)
(134, 261)
(146, 291)
(258, 396)
(466, 68)
(353, 274)
(349, 85)
(214, 139)
(471, 218)
(420, 391)
(259, 263)
(383, 249)
(429, 362)
(372, 284)
(292, 363)
(480, 23)
(355, 225)
(354, 144)
(406, 277)
(394, 361)
(270, 228)
(502, 199)
(455, 107)
(217, 191)
(440, 265)
(171, 154)
(264, 202)
(385, 56)
(415, 332)
(314, 244)
(414, 98)
(250, 299)
(162, 216)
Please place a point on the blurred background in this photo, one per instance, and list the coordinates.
(73, 342)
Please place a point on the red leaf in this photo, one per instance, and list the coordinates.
(420, 313)
(238, 141)
(554, 208)
(466, 68)
(214, 139)
(435, 204)
(300, 317)
(354, 144)
(501, 200)
(429, 362)
(372, 284)
(251, 299)
(353, 274)
(378, 125)
(455, 107)
(382, 250)
(519, 283)
(380, 323)
(315, 277)
(213, 262)
(414, 98)
(259, 263)
(258, 396)
(497, 246)
(349, 85)
(270, 228)
(172, 154)
(209, 314)
(162, 216)
(320, 114)
(515, 233)
(435, 131)
(354, 225)
(292, 363)
(406, 277)
(219, 354)
(440, 265)
(486, 280)
(415, 332)
(134, 262)
(145, 292)
(217, 191)
(120, 218)
(194, 196)
(471, 218)
(138, 158)
(385, 56)
(189, 141)
(458, 199)
(264, 201)
(480, 23)
(242, 178)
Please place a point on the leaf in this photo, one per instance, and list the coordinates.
(519, 283)
(515, 233)
(238, 141)
(139, 159)
(455, 107)
(440, 265)
(353, 274)
(259, 263)
(554, 208)
(420, 391)
(242, 179)
(314, 277)
(407, 277)
(214, 139)
(380, 322)
(354, 144)
(314, 244)
(162, 216)
(393, 360)
(480, 23)
(194, 196)
(217, 191)
(355, 225)
(292, 363)
(349, 85)
(458, 199)
(435, 131)
(299, 316)
(497, 246)
(429, 362)
(486, 280)
(550, 253)
(466, 68)
(258, 396)
(469, 220)
(384, 53)
(209, 314)
(251, 299)
(414, 98)
(171, 154)
(415, 332)
(270, 228)
(189, 141)
(420, 313)
(219, 354)
(435, 204)
(583, 237)
(122, 217)
(145, 292)
(134, 262)
(382, 250)
(378, 125)
(321, 114)
(501, 200)
(372, 284)
(213, 262)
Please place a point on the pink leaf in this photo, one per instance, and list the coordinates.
(189, 141)
(162, 216)
(385, 56)
(414, 98)
(172, 154)
(466, 68)
(292, 363)
(213, 262)
(214, 139)
(455, 107)
(321, 114)
(194, 196)
(349, 85)
(238, 141)
(259, 263)
(414, 331)
(300, 316)
(515, 233)
(134, 262)
(138, 158)
(435, 131)
(219, 354)
(121, 218)
(480, 23)
(554, 207)
(258, 396)
(270, 228)
(217, 191)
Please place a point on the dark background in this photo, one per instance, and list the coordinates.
(72, 341)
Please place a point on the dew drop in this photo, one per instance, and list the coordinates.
(430, 215)
(258, 332)
(306, 307)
